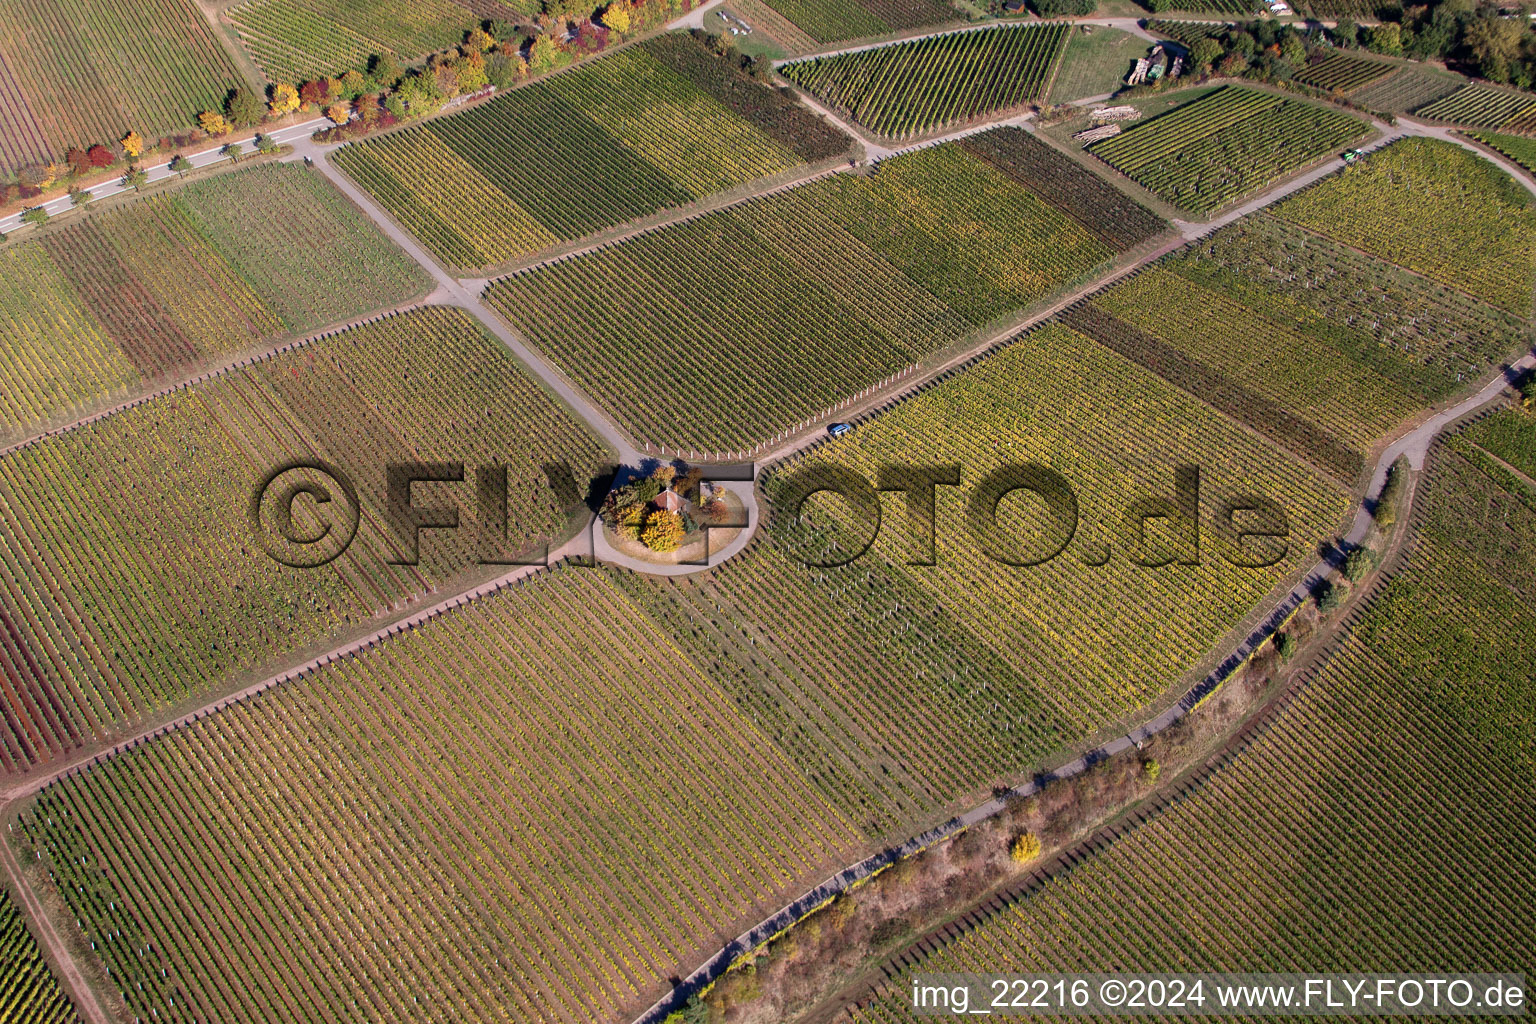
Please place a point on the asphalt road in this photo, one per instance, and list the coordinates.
(161, 171)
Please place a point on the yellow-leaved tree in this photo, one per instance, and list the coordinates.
(285, 99)
(133, 145)
(663, 531)
(617, 17)
(339, 113)
(213, 123)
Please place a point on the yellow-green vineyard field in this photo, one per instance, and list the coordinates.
(112, 304)
(908, 88)
(902, 688)
(722, 331)
(1412, 747)
(1436, 209)
(77, 73)
(131, 576)
(29, 992)
(531, 808)
(1323, 349)
(650, 127)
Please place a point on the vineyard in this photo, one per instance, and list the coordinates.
(1436, 209)
(1336, 9)
(1117, 219)
(118, 302)
(834, 21)
(29, 992)
(1342, 72)
(1482, 106)
(921, 685)
(1518, 148)
(724, 330)
(131, 575)
(296, 40)
(1293, 388)
(470, 814)
(1095, 62)
(1228, 143)
(1416, 711)
(1406, 89)
(909, 88)
(643, 129)
(1510, 434)
(1428, 341)
(81, 72)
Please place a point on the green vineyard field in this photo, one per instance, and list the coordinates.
(719, 333)
(1509, 434)
(1342, 72)
(900, 688)
(82, 72)
(649, 127)
(298, 40)
(833, 21)
(1225, 145)
(1482, 106)
(1435, 209)
(544, 831)
(1406, 89)
(29, 992)
(115, 303)
(1518, 148)
(1424, 706)
(909, 88)
(132, 576)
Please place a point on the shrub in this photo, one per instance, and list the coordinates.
(629, 520)
(1329, 596)
(1024, 848)
(1150, 769)
(1357, 563)
(1285, 644)
(889, 932)
(1065, 8)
